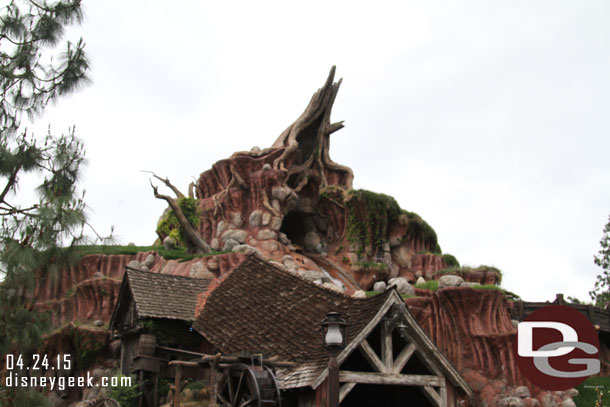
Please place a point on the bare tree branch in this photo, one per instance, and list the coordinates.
(167, 184)
(194, 242)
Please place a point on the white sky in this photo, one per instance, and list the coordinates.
(488, 118)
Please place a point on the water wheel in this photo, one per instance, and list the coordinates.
(243, 385)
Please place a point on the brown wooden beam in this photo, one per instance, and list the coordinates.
(344, 390)
(177, 385)
(347, 376)
(404, 357)
(371, 357)
(433, 396)
(387, 354)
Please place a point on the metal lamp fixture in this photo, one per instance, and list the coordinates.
(333, 332)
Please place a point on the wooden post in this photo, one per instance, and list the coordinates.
(387, 353)
(214, 375)
(141, 389)
(156, 391)
(333, 382)
(178, 369)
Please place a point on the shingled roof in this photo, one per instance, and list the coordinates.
(164, 295)
(263, 309)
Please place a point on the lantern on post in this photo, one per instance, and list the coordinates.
(333, 332)
(333, 338)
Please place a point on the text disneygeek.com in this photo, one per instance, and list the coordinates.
(30, 372)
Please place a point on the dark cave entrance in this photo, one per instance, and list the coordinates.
(293, 225)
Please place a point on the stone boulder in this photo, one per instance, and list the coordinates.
(449, 280)
(380, 286)
(312, 240)
(169, 243)
(229, 245)
(359, 294)
(402, 285)
(511, 402)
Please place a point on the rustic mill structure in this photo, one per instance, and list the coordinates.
(260, 341)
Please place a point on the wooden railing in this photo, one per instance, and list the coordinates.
(598, 316)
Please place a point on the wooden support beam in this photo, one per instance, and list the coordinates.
(433, 396)
(344, 390)
(346, 376)
(233, 359)
(214, 378)
(386, 345)
(443, 393)
(156, 390)
(184, 363)
(177, 385)
(369, 354)
(141, 389)
(404, 357)
(186, 352)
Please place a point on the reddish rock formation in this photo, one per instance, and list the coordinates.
(292, 200)
(472, 327)
(88, 291)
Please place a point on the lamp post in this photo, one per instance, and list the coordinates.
(333, 334)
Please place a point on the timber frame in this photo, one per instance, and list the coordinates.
(389, 359)
(439, 387)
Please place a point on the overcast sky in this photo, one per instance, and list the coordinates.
(490, 119)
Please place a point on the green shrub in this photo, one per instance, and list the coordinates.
(450, 260)
(127, 396)
(587, 394)
(169, 225)
(86, 348)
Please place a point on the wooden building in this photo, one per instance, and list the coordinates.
(388, 359)
(153, 317)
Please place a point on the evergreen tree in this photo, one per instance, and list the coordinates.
(601, 291)
(37, 239)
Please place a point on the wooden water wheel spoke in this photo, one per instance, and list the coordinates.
(223, 401)
(248, 402)
(231, 390)
(242, 385)
(240, 390)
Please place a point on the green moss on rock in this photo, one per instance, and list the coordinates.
(450, 260)
(369, 216)
(417, 228)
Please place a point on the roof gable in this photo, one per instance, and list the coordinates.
(394, 310)
(263, 308)
(160, 295)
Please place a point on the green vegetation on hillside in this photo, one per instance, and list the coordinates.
(450, 260)
(417, 228)
(460, 271)
(169, 225)
(369, 216)
(177, 254)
